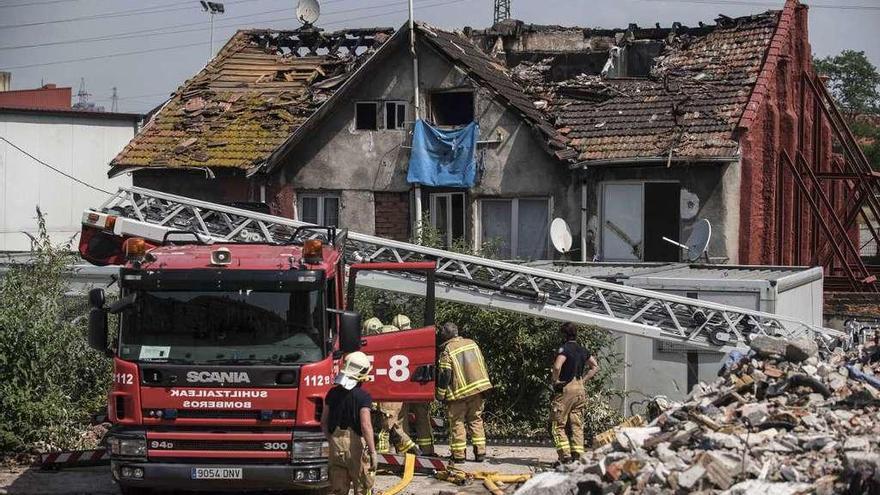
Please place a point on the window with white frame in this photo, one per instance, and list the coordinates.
(448, 216)
(319, 209)
(517, 228)
(395, 115)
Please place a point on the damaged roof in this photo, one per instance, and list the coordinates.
(492, 74)
(258, 90)
(687, 109)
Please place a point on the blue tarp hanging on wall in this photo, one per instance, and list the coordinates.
(443, 158)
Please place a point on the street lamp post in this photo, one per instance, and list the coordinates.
(212, 8)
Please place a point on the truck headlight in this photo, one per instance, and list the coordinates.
(313, 449)
(129, 447)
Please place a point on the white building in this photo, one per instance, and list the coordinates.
(78, 143)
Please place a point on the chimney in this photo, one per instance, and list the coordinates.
(5, 81)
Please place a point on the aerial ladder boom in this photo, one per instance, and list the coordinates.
(466, 278)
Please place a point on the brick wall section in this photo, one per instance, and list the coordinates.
(281, 199)
(392, 215)
(769, 125)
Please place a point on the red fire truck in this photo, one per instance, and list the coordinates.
(222, 354)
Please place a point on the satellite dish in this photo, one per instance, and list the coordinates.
(698, 242)
(560, 235)
(308, 11)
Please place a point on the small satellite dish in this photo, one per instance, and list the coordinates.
(698, 242)
(560, 235)
(308, 11)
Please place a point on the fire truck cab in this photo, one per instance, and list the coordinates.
(223, 353)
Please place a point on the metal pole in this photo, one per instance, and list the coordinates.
(417, 114)
(211, 46)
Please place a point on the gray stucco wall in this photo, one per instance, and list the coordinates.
(355, 163)
(710, 191)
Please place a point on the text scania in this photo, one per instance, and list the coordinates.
(217, 377)
(219, 394)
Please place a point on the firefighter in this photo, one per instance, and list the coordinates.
(392, 416)
(372, 326)
(462, 383)
(572, 368)
(345, 422)
(424, 434)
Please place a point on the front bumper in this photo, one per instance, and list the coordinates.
(254, 476)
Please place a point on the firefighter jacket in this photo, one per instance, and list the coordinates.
(462, 370)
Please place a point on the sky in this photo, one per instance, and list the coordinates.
(147, 48)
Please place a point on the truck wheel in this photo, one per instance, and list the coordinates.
(134, 490)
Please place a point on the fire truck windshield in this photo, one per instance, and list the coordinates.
(229, 327)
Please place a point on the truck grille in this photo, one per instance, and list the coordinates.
(226, 445)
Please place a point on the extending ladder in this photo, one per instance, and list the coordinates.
(472, 279)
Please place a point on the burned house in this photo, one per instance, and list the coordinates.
(630, 135)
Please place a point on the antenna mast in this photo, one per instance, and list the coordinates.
(114, 101)
(82, 96)
(502, 10)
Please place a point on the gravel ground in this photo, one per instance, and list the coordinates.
(96, 480)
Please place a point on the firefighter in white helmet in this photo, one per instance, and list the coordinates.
(424, 434)
(346, 423)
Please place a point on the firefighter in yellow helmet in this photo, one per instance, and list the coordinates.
(345, 421)
(462, 382)
(572, 368)
(392, 419)
(424, 434)
(372, 326)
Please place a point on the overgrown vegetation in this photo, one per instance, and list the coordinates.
(518, 350)
(51, 380)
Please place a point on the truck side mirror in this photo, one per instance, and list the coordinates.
(98, 329)
(97, 298)
(349, 331)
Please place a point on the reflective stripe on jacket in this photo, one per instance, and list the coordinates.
(463, 370)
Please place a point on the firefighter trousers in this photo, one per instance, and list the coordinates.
(424, 432)
(349, 464)
(391, 428)
(466, 417)
(567, 409)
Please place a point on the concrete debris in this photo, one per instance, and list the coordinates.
(780, 420)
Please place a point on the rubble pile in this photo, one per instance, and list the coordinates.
(779, 420)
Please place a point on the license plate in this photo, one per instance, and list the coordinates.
(216, 473)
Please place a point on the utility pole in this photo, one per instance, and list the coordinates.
(82, 96)
(212, 8)
(502, 10)
(417, 114)
(114, 101)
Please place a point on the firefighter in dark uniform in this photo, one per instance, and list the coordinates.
(462, 383)
(572, 368)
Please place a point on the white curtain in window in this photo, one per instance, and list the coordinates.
(496, 220)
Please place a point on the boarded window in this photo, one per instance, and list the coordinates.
(453, 108)
(516, 228)
(395, 115)
(366, 116)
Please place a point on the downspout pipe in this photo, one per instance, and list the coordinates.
(417, 114)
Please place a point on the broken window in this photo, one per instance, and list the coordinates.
(319, 209)
(395, 115)
(516, 228)
(366, 116)
(452, 108)
(635, 218)
(447, 216)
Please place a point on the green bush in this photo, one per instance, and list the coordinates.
(51, 380)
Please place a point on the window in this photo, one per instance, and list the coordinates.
(633, 232)
(447, 216)
(453, 108)
(319, 209)
(366, 116)
(395, 115)
(517, 228)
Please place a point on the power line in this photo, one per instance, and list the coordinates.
(166, 7)
(768, 4)
(189, 45)
(46, 2)
(50, 167)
